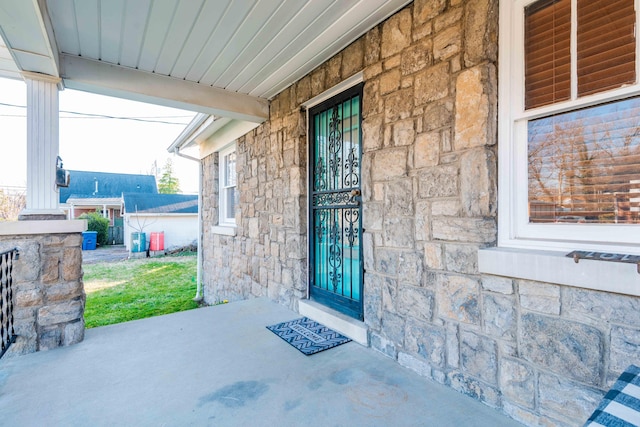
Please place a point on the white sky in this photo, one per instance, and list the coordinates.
(95, 144)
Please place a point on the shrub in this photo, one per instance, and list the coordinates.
(96, 222)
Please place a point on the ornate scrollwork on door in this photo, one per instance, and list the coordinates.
(335, 145)
(335, 255)
(320, 176)
(329, 199)
(352, 176)
(352, 218)
(321, 225)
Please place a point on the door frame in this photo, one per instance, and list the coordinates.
(341, 92)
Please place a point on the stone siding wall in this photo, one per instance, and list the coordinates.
(542, 353)
(49, 293)
(267, 257)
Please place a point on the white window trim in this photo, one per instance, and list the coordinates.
(223, 220)
(514, 229)
(225, 231)
(348, 83)
(523, 250)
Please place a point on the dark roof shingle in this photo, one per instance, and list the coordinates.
(160, 203)
(86, 184)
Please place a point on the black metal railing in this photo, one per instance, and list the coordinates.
(7, 331)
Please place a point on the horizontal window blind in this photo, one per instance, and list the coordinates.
(606, 52)
(547, 52)
(606, 45)
(584, 166)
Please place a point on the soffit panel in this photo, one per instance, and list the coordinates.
(293, 37)
(21, 27)
(237, 36)
(63, 14)
(112, 18)
(133, 32)
(34, 62)
(229, 48)
(317, 47)
(25, 34)
(86, 26)
(183, 21)
(228, 21)
(264, 37)
(158, 20)
(252, 47)
(202, 31)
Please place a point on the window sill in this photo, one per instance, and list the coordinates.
(226, 230)
(555, 267)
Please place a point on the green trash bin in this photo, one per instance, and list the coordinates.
(138, 242)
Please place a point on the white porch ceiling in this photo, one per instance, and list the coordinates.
(223, 57)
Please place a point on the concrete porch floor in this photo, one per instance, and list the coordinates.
(220, 366)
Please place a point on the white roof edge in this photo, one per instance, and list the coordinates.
(79, 201)
(203, 130)
(190, 132)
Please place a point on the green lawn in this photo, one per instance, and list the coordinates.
(135, 289)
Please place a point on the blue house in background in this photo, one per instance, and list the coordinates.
(102, 191)
(132, 204)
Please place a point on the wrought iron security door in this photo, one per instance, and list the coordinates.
(335, 211)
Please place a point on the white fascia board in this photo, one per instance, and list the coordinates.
(225, 135)
(50, 38)
(211, 134)
(113, 80)
(197, 134)
(190, 132)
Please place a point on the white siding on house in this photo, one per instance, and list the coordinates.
(179, 229)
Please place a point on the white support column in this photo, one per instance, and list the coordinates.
(42, 147)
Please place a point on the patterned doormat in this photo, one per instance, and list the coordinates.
(308, 336)
(621, 405)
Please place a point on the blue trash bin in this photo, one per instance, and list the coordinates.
(89, 239)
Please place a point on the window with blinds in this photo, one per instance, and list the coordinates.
(606, 45)
(229, 184)
(583, 165)
(605, 57)
(228, 195)
(547, 52)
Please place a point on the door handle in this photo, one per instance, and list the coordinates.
(355, 196)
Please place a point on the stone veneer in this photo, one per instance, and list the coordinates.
(48, 290)
(542, 353)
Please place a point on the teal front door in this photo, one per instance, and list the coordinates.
(335, 211)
